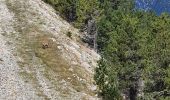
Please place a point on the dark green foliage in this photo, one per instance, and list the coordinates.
(69, 34)
(67, 8)
(134, 45)
(83, 14)
(106, 79)
(77, 11)
(86, 10)
(157, 73)
(119, 45)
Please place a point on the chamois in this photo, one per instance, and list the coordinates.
(47, 43)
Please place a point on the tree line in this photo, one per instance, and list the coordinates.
(134, 46)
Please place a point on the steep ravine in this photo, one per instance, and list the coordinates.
(63, 71)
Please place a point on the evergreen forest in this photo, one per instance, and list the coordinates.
(134, 45)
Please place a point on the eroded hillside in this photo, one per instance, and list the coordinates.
(63, 71)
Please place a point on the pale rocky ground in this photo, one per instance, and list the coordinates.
(64, 71)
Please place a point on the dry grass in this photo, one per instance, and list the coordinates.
(29, 46)
(52, 58)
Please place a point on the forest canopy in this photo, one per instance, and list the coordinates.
(134, 46)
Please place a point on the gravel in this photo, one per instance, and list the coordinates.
(37, 13)
(12, 87)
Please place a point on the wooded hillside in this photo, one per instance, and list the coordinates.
(134, 45)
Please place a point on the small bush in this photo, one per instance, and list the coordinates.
(69, 34)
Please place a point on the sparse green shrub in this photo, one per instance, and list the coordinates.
(69, 34)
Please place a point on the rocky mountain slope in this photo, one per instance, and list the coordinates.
(62, 71)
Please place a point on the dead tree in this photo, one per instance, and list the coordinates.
(91, 33)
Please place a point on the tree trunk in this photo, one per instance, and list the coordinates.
(92, 33)
(140, 88)
(95, 39)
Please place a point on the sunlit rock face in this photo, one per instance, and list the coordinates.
(158, 6)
